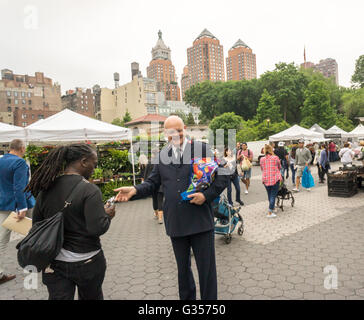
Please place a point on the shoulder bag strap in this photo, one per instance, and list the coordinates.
(72, 194)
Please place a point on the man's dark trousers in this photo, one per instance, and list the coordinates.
(203, 246)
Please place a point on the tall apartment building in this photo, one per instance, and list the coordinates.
(138, 97)
(241, 62)
(329, 68)
(80, 100)
(162, 70)
(185, 81)
(205, 60)
(25, 99)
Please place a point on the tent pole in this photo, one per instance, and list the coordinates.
(132, 158)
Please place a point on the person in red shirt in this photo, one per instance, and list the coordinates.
(271, 177)
(332, 151)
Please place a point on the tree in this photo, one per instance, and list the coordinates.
(267, 109)
(127, 117)
(181, 115)
(287, 84)
(353, 104)
(190, 119)
(358, 77)
(254, 131)
(226, 122)
(117, 122)
(317, 108)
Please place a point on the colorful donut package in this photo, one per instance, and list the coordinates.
(203, 171)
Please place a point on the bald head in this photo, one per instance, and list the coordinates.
(174, 130)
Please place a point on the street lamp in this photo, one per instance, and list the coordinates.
(268, 120)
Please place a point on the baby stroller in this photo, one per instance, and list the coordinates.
(226, 218)
(284, 194)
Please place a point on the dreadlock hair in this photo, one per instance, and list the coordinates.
(54, 165)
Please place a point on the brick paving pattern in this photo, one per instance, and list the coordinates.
(281, 258)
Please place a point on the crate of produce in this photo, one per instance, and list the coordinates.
(342, 184)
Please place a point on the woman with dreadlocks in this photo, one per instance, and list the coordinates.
(81, 261)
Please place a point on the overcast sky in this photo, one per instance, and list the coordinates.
(83, 42)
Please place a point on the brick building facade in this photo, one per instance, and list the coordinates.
(81, 101)
(163, 71)
(23, 94)
(241, 62)
(205, 60)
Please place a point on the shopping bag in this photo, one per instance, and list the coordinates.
(246, 164)
(307, 179)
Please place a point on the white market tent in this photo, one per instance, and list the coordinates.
(336, 130)
(295, 133)
(358, 132)
(9, 132)
(67, 126)
(317, 128)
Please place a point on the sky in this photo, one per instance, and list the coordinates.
(80, 43)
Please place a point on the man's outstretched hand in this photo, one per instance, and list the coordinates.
(125, 193)
(198, 198)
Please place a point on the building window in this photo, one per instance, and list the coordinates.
(9, 101)
(29, 102)
(8, 93)
(23, 116)
(23, 94)
(16, 101)
(29, 94)
(23, 101)
(9, 109)
(24, 124)
(40, 116)
(15, 94)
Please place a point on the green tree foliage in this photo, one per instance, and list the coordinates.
(267, 109)
(353, 104)
(181, 115)
(118, 122)
(226, 121)
(127, 117)
(358, 76)
(190, 119)
(287, 85)
(317, 107)
(254, 131)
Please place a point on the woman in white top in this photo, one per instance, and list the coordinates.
(346, 154)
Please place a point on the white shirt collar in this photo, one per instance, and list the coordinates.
(182, 148)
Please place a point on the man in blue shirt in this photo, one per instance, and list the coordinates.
(14, 177)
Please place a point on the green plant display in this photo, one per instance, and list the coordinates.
(98, 174)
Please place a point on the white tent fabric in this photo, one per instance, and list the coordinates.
(358, 132)
(296, 132)
(9, 132)
(336, 130)
(67, 125)
(317, 128)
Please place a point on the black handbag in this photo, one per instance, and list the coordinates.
(45, 239)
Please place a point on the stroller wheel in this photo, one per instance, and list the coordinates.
(228, 238)
(292, 201)
(241, 230)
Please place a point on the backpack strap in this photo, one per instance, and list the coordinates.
(72, 194)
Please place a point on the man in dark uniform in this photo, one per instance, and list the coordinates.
(189, 224)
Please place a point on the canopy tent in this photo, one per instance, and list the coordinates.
(317, 128)
(336, 130)
(67, 125)
(9, 132)
(358, 132)
(296, 132)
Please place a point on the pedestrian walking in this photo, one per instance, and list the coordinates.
(271, 177)
(346, 154)
(230, 159)
(323, 162)
(282, 154)
(81, 262)
(292, 156)
(189, 224)
(332, 151)
(245, 154)
(157, 196)
(302, 159)
(14, 177)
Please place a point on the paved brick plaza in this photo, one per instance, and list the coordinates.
(281, 258)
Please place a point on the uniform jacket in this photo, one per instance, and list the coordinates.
(182, 218)
(14, 177)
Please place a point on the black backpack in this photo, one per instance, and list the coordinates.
(45, 239)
